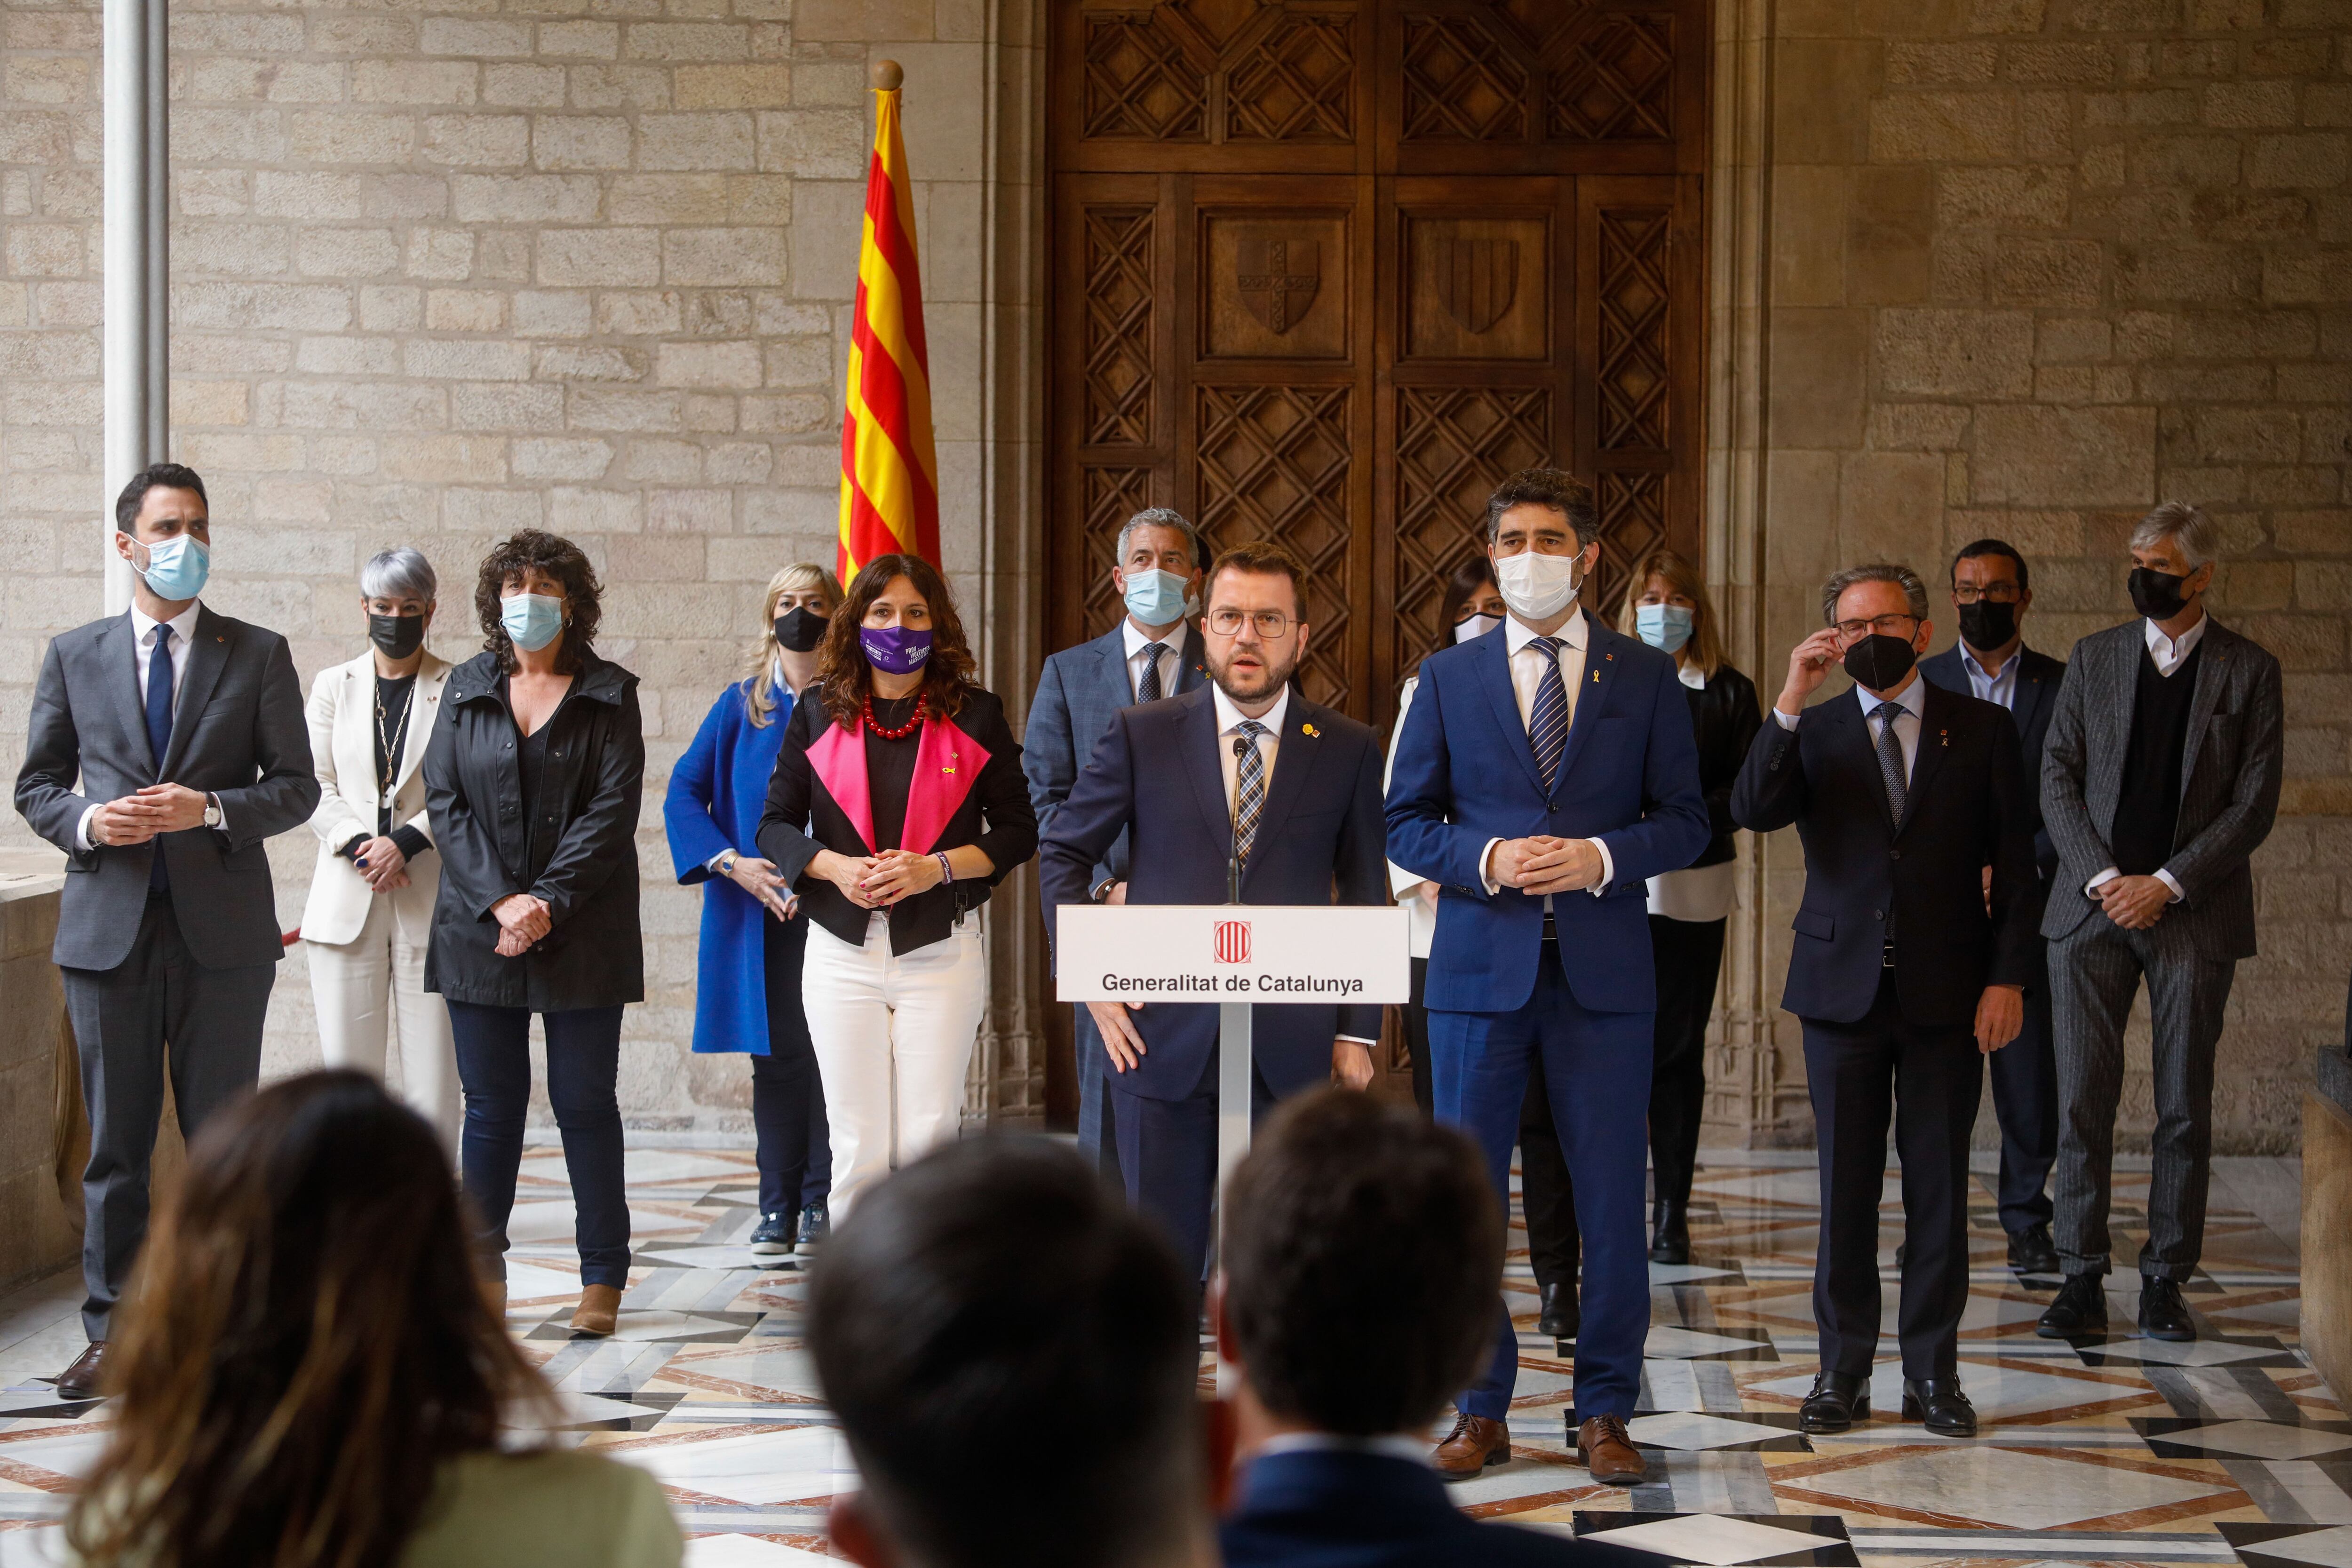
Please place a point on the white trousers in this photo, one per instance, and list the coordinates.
(893, 1038)
(365, 988)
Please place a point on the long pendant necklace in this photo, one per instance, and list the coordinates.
(903, 731)
(391, 743)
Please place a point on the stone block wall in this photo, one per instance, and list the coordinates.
(444, 268)
(2033, 266)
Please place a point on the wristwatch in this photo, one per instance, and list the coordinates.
(212, 810)
(725, 864)
(1101, 890)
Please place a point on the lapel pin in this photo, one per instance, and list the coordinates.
(1310, 729)
(1944, 737)
(1596, 677)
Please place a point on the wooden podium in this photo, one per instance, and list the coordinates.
(1236, 956)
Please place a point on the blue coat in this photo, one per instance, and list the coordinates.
(1465, 774)
(716, 793)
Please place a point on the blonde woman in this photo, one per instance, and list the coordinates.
(369, 918)
(1668, 608)
(748, 998)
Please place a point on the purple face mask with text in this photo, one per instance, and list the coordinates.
(895, 650)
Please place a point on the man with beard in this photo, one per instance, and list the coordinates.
(1244, 768)
(1906, 965)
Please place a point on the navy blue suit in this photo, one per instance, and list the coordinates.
(1501, 998)
(1358, 1509)
(1080, 688)
(1156, 777)
(2024, 1072)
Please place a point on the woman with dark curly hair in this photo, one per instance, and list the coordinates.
(305, 1373)
(898, 804)
(533, 783)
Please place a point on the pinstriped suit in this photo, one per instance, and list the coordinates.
(2231, 764)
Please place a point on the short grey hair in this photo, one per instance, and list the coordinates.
(1160, 517)
(2184, 524)
(399, 573)
(1914, 592)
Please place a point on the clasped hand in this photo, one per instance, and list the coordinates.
(1544, 865)
(761, 878)
(877, 881)
(142, 815)
(2133, 903)
(381, 863)
(522, 921)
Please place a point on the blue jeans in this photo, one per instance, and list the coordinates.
(1596, 1066)
(584, 1065)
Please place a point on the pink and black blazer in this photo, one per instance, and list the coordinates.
(967, 788)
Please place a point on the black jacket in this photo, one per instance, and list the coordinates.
(2038, 679)
(799, 794)
(473, 791)
(1964, 810)
(1724, 717)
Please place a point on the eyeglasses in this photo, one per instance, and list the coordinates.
(1998, 594)
(1272, 625)
(1885, 626)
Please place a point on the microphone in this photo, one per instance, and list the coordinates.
(1234, 852)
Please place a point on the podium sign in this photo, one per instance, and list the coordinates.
(1236, 955)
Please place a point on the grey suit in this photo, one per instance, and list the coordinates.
(1080, 689)
(2231, 764)
(191, 965)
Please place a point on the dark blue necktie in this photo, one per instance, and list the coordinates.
(1548, 718)
(159, 731)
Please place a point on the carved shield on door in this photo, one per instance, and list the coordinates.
(1477, 279)
(1276, 279)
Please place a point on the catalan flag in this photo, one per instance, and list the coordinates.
(889, 471)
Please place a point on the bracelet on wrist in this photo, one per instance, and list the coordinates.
(946, 871)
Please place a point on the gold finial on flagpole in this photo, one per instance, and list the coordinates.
(886, 76)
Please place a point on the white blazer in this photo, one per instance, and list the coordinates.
(341, 711)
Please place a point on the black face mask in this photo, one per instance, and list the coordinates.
(1987, 626)
(2156, 595)
(397, 635)
(801, 630)
(1878, 662)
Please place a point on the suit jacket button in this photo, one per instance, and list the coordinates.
(1895, 854)
(1878, 914)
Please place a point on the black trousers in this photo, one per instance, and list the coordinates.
(2024, 1075)
(1689, 956)
(1930, 1078)
(1168, 1160)
(793, 1144)
(1546, 1192)
(1416, 1039)
(159, 1010)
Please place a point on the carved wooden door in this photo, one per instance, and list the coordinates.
(1324, 272)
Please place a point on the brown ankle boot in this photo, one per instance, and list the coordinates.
(599, 1311)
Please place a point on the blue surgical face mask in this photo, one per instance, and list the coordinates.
(1664, 626)
(1156, 598)
(177, 567)
(531, 620)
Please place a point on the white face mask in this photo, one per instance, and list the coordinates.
(1537, 587)
(1475, 626)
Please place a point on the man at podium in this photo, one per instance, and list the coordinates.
(1242, 784)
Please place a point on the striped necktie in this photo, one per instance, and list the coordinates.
(1147, 684)
(1249, 791)
(1890, 757)
(1547, 720)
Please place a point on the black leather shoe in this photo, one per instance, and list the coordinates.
(2163, 1315)
(1902, 1253)
(1938, 1403)
(1839, 1399)
(1669, 1231)
(79, 1381)
(775, 1236)
(2030, 1251)
(2081, 1308)
(1561, 1318)
(816, 1224)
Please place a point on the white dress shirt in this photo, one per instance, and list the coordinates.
(2001, 687)
(2169, 653)
(1230, 720)
(1170, 658)
(182, 633)
(1912, 699)
(1527, 662)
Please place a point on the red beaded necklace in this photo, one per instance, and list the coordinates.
(903, 731)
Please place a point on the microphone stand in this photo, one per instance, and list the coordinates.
(1234, 1066)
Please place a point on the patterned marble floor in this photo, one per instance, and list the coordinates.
(2121, 1450)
